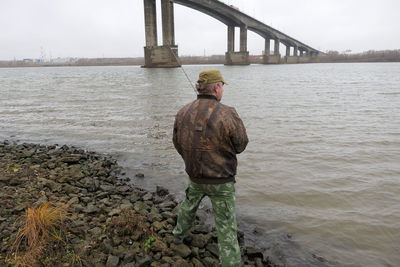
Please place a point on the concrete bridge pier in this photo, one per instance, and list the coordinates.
(304, 56)
(291, 59)
(166, 55)
(276, 57)
(241, 57)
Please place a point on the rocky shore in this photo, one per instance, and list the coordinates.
(110, 221)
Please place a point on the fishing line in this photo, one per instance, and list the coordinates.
(181, 66)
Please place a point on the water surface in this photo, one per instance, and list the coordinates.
(322, 165)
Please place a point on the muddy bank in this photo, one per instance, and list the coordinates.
(110, 221)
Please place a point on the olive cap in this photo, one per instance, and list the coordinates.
(210, 76)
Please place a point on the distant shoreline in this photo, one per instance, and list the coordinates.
(329, 57)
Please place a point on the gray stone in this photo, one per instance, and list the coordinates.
(112, 261)
(114, 212)
(213, 248)
(201, 229)
(209, 262)
(161, 191)
(143, 262)
(91, 208)
(252, 252)
(96, 231)
(181, 250)
(139, 205)
(197, 263)
(126, 206)
(158, 246)
(200, 240)
(258, 262)
(158, 225)
(168, 214)
(147, 196)
(182, 263)
(107, 188)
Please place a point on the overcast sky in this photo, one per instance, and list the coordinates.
(115, 28)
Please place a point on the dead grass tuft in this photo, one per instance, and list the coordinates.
(41, 226)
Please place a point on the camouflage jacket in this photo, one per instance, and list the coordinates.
(208, 135)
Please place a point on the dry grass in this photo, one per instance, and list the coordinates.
(41, 226)
(128, 223)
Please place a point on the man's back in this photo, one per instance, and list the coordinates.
(208, 135)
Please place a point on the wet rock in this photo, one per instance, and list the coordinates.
(139, 175)
(161, 191)
(252, 252)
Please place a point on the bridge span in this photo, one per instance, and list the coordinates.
(166, 55)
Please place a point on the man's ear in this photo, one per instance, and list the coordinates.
(215, 87)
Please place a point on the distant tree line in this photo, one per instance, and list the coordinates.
(368, 56)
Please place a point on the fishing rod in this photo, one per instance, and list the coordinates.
(181, 66)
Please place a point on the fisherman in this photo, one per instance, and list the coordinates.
(208, 135)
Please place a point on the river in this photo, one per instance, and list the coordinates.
(320, 177)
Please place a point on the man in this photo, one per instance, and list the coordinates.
(208, 135)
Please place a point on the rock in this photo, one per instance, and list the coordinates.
(197, 263)
(91, 208)
(161, 191)
(148, 196)
(114, 212)
(139, 175)
(200, 240)
(72, 201)
(158, 225)
(129, 256)
(143, 262)
(213, 248)
(158, 246)
(5, 179)
(107, 188)
(72, 159)
(134, 197)
(139, 205)
(96, 231)
(252, 252)
(182, 263)
(112, 261)
(181, 250)
(209, 262)
(201, 229)
(167, 205)
(127, 206)
(258, 262)
(53, 186)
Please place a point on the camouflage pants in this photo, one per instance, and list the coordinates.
(222, 197)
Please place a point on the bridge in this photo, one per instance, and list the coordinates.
(166, 55)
